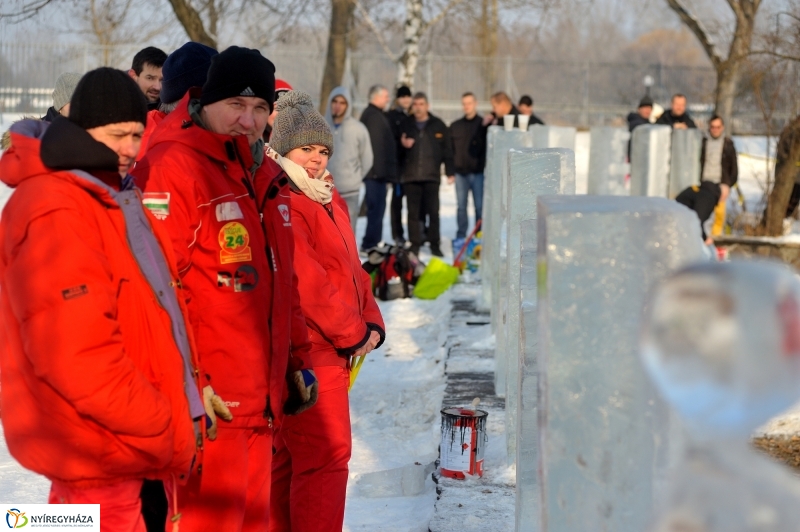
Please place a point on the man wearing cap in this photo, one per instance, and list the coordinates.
(200, 176)
(65, 86)
(639, 118)
(96, 358)
(281, 88)
(184, 68)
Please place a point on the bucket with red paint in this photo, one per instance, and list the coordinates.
(464, 442)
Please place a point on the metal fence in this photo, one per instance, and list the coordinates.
(578, 94)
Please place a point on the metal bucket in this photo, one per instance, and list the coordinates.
(463, 444)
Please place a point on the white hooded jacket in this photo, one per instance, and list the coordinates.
(352, 149)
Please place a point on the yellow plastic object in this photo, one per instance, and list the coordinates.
(719, 219)
(355, 367)
(435, 280)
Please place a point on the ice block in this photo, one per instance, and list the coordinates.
(650, 153)
(722, 343)
(489, 184)
(528, 495)
(496, 234)
(604, 432)
(531, 173)
(684, 166)
(608, 166)
(553, 136)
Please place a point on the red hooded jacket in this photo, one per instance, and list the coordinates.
(154, 118)
(336, 292)
(236, 271)
(92, 378)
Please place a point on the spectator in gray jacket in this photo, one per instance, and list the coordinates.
(352, 150)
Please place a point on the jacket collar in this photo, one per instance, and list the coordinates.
(23, 161)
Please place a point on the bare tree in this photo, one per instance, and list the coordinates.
(788, 156)
(414, 28)
(193, 23)
(340, 24)
(728, 69)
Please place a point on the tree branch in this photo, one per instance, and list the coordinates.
(450, 5)
(699, 31)
(190, 19)
(28, 10)
(374, 28)
(776, 55)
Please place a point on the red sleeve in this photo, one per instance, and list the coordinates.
(301, 346)
(75, 344)
(173, 199)
(324, 310)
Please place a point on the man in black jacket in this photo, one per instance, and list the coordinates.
(526, 108)
(396, 115)
(384, 165)
(469, 154)
(677, 117)
(719, 171)
(427, 144)
(640, 118)
(501, 106)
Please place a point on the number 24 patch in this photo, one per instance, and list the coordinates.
(235, 243)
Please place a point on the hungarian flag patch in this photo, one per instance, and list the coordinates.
(157, 203)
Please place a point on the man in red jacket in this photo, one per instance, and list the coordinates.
(237, 272)
(96, 360)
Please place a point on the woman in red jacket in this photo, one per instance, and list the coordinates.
(309, 472)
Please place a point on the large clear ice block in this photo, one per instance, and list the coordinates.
(531, 173)
(496, 235)
(490, 183)
(650, 153)
(553, 136)
(684, 166)
(721, 342)
(604, 432)
(528, 494)
(608, 166)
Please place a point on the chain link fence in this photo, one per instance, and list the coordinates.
(566, 93)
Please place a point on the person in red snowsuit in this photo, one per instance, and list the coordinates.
(236, 269)
(312, 450)
(96, 361)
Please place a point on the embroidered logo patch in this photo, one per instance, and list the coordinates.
(235, 243)
(247, 92)
(229, 210)
(243, 280)
(284, 210)
(157, 203)
(75, 291)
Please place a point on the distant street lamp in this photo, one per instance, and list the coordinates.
(648, 82)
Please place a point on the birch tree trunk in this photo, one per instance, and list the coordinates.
(412, 33)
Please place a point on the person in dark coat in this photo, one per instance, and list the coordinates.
(396, 115)
(469, 155)
(719, 171)
(501, 106)
(526, 108)
(384, 165)
(677, 117)
(782, 158)
(427, 145)
(639, 118)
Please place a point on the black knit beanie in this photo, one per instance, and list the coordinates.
(239, 72)
(107, 96)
